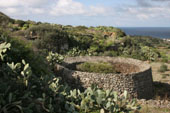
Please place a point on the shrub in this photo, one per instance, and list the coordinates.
(23, 50)
(47, 37)
(165, 75)
(20, 23)
(74, 52)
(110, 53)
(101, 67)
(164, 59)
(54, 58)
(163, 68)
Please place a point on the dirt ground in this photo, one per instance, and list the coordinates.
(158, 76)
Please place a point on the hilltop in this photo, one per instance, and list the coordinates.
(4, 19)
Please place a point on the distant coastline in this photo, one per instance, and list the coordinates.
(157, 32)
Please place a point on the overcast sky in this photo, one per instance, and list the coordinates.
(118, 13)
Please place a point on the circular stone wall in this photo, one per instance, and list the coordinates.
(135, 76)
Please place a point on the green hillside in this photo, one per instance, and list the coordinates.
(81, 40)
(4, 19)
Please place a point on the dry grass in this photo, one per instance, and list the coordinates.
(157, 76)
(148, 109)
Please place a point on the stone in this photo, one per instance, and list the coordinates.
(138, 83)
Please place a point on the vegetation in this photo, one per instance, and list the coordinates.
(23, 91)
(163, 68)
(54, 58)
(4, 20)
(47, 37)
(82, 40)
(101, 67)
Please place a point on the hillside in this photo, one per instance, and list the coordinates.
(5, 20)
(82, 40)
(29, 52)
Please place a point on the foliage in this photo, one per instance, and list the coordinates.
(21, 91)
(4, 20)
(92, 41)
(94, 99)
(47, 37)
(97, 99)
(20, 23)
(131, 47)
(22, 50)
(150, 53)
(76, 52)
(12, 72)
(54, 58)
(163, 68)
(101, 67)
(3, 49)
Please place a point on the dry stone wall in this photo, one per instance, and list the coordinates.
(139, 84)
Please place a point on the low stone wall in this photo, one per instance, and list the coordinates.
(139, 84)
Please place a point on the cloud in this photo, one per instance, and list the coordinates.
(70, 7)
(145, 10)
(34, 3)
(14, 3)
(37, 10)
(143, 3)
(23, 7)
(94, 11)
(50, 7)
(142, 16)
(9, 3)
(161, 0)
(108, 12)
(67, 7)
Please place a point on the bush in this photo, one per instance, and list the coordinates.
(23, 50)
(20, 22)
(164, 59)
(163, 68)
(165, 75)
(110, 53)
(47, 37)
(54, 58)
(101, 67)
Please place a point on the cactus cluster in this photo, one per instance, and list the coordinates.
(94, 99)
(54, 58)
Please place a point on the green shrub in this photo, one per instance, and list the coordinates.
(74, 52)
(20, 23)
(101, 67)
(54, 58)
(164, 59)
(163, 68)
(47, 37)
(165, 75)
(94, 99)
(110, 53)
(23, 50)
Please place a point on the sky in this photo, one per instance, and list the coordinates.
(117, 13)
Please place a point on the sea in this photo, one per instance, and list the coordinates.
(157, 32)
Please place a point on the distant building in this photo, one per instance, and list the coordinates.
(165, 39)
